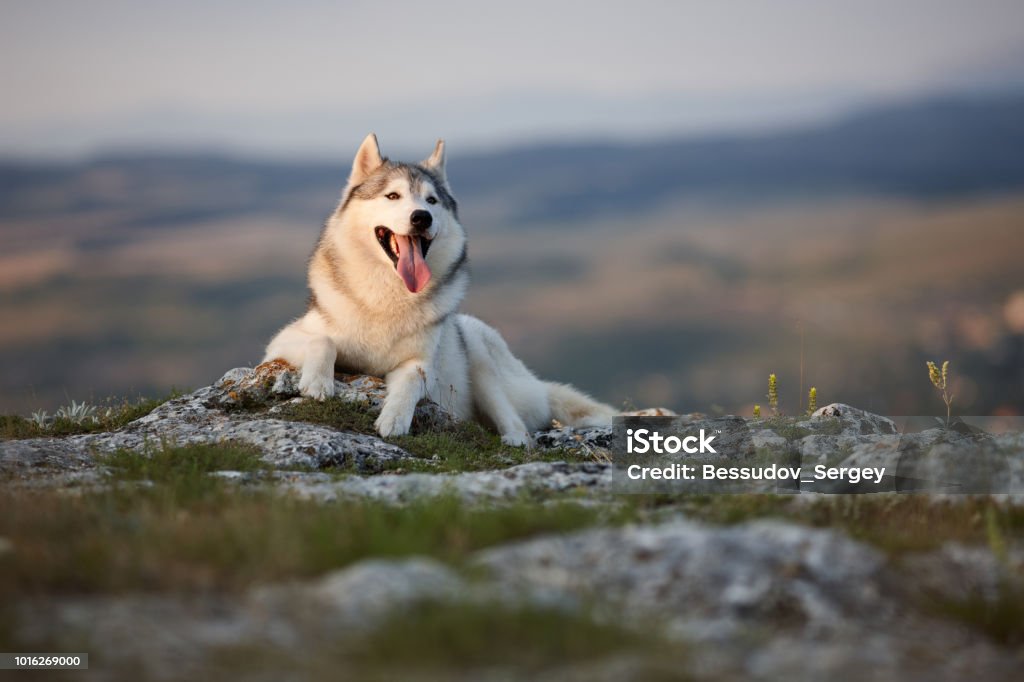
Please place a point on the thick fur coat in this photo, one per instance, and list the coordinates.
(386, 280)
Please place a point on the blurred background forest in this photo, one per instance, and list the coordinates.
(664, 215)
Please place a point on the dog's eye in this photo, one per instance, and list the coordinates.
(393, 195)
(431, 200)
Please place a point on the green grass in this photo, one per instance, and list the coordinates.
(899, 524)
(469, 447)
(187, 530)
(344, 415)
(13, 426)
(175, 463)
(1000, 616)
(180, 473)
(460, 636)
(791, 432)
(465, 641)
(790, 427)
(727, 509)
(120, 414)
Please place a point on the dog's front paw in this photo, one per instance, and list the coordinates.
(394, 421)
(317, 386)
(517, 439)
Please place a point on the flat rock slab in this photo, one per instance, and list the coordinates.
(536, 479)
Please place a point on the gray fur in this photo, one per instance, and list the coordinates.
(454, 270)
(415, 175)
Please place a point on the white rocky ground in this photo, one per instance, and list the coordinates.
(758, 600)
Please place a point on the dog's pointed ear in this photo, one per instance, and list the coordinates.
(435, 162)
(368, 159)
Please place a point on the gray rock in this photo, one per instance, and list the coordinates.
(537, 479)
(215, 414)
(766, 438)
(594, 439)
(288, 444)
(705, 582)
(956, 572)
(153, 637)
(43, 455)
(360, 596)
(855, 421)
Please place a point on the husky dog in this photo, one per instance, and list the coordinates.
(385, 281)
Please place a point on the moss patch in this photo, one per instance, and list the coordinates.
(344, 415)
(467, 446)
(111, 417)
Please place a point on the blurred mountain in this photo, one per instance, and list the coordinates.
(943, 146)
(940, 146)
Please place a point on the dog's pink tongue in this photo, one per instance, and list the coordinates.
(411, 267)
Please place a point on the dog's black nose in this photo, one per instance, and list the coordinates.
(421, 220)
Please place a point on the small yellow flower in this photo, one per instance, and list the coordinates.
(812, 400)
(757, 411)
(939, 380)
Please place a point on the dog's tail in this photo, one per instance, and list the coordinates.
(572, 407)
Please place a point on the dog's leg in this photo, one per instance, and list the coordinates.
(493, 401)
(514, 399)
(317, 379)
(504, 390)
(406, 385)
(313, 354)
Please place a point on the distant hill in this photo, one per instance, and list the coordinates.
(953, 146)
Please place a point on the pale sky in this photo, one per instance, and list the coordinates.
(303, 76)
